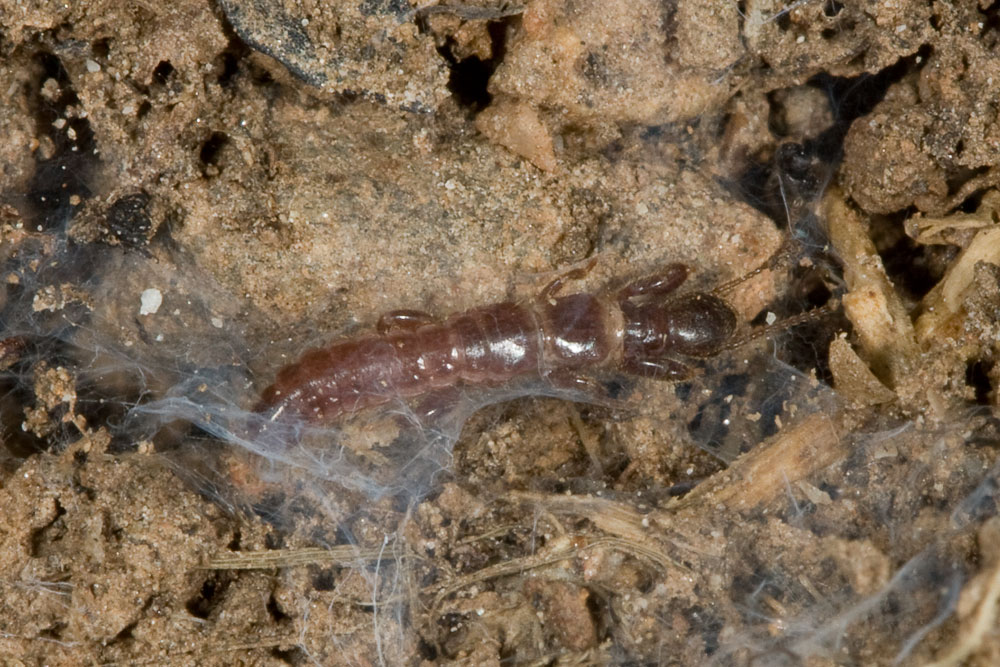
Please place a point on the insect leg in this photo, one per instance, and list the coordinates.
(553, 287)
(664, 282)
(434, 405)
(591, 389)
(403, 320)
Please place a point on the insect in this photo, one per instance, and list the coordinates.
(646, 329)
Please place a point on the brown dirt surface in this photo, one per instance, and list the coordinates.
(194, 193)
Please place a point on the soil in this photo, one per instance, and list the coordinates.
(193, 194)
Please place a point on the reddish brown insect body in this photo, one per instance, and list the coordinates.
(643, 330)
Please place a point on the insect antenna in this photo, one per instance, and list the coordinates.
(784, 325)
(784, 254)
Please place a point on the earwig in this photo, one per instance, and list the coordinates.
(645, 329)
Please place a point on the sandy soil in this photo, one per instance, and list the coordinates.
(193, 193)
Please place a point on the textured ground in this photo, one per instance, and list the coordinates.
(194, 193)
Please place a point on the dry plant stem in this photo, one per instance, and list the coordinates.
(944, 302)
(853, 378)
(753, 480)
(607, 515)
(619, 519)
(765, 472)
(930, 230)
(882, 324)
(502, 570)
(567, 550)
(990, 179)
(942, 308)
(265, 560)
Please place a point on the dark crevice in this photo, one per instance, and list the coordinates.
(801, 170)
(53, 632)
(88, 492)
(972, 203)
(601, 612)
(680, 488)
(990, 17)
(208, 597)
(426, 650)
(16, 393)
(468, 82)
(960, 176)
(708, 424)
(50, 532)
(229, 67)
(68, 173)
(125, 634)
(269, 509)
(81, 266)
(210, 148)
(977, 376)
(230, 61)
(913, 267)
(101, 48)
(291, 656)
(274, 541)
(469, 78)
(162, 72)
(830, 490)
(806, 347)
(325, 580)
(831, 8)
(275, 611)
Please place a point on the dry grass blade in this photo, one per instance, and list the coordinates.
(757, 477)
(265, 560)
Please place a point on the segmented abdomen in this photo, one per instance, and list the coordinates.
(484, 346)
